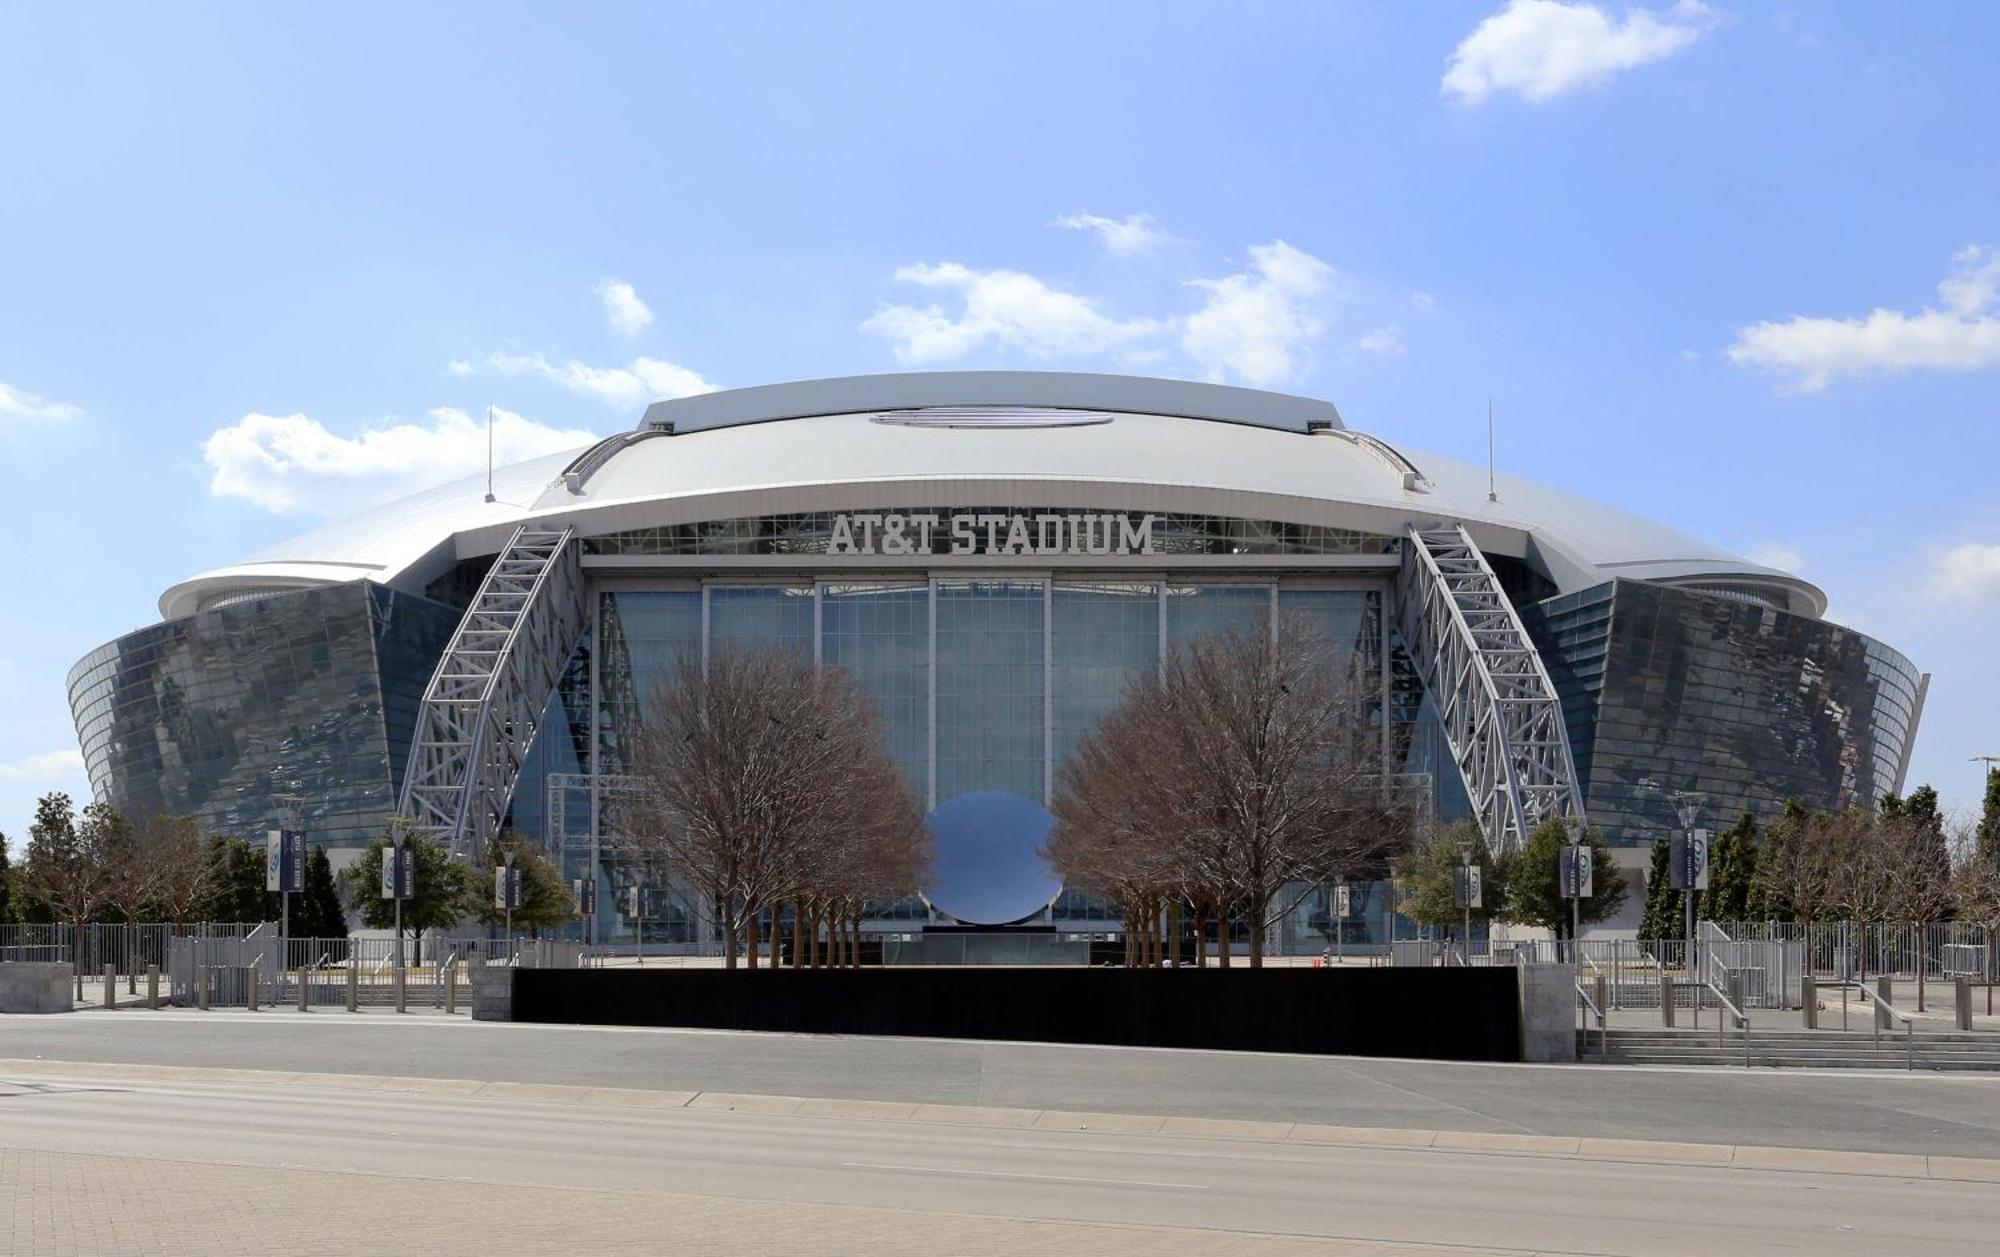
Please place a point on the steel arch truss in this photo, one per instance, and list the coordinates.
(1501, 717)
(486, 699)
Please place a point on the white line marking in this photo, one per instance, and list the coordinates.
(1044, 1178)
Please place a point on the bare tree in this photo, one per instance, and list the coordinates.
(69, 861)
(1865, 852)
(1242, 771)
(1797, 870)
(1975, 892)
(1915, 859)
(186, 866)
(762, 781)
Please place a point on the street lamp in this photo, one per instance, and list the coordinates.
(1687, 810)
(1389, 910)
(1465, 856)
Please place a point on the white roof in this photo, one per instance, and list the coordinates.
(990, 439)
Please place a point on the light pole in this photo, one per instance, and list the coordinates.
(1466, 939)
(1986, 778)
(1389, 912)
(1687, 810)
(1340, 919)
(1575, 885)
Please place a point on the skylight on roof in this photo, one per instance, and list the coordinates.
(992, 417)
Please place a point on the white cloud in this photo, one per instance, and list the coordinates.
(50, 766)
(1383, 341)
(1969, 572)
(292, 463)
(460, 367)
(1777, 554)
(1002, 309)
(638, 382)
(1423, 301)
(1257, 324)
(1964, 335)
(1543, 48)
(1134, 235)
(16, 404)
(622, 307)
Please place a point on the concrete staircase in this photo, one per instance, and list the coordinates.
(1796, 1048)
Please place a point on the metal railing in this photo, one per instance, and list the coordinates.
(1884, 1011)
(1591, 1003)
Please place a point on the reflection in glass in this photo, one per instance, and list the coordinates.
(989, 687)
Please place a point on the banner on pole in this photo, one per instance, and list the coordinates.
(1690, 860)
(1575, 866)
(285, 860)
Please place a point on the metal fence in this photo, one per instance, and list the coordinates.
(127, 948)
(1767, 961)
(224, 965)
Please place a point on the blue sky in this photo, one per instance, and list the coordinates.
(1728, 266)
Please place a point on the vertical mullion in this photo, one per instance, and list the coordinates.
(596, 733)
(1048, 689)
(931, 695)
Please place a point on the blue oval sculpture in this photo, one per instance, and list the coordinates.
(989, 868)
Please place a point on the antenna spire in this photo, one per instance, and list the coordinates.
(1492, 493)
(489, 451)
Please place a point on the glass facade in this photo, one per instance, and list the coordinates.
(1103, 637)
(1742, 703)
(990, 686)
(224, 715)
(1193, 610)
(881, 634)
(644, 636)
(778, 616)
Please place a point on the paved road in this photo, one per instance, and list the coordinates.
(1879, 1112)
(97, 1166)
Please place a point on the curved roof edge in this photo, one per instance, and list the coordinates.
(1055, 390)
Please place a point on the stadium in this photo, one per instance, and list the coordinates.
(993, 555)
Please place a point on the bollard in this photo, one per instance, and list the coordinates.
(1809, 1000)
(400, 1004)
(451, 987)
(152, 986)
(1885, 989)
(111, 986)
(201, 987)
(353, 986)
(305, 994)
(1961, 998)
(1666, 1001)
(250, 988)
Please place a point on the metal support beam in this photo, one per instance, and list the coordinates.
(486, 699)
(1501, 717)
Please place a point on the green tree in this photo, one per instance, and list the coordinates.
(546, 901)
(68, 863)
(1534, 881)
(1425, 877)
(6, 885)
(318, 913)
(237, 893)
(446, 890)
(1661, 917)
(1923, 822)
(1732, 872)
(1989, 818)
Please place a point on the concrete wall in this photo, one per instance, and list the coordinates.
(1548, 1013)
(36, 987)
(493, 993)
